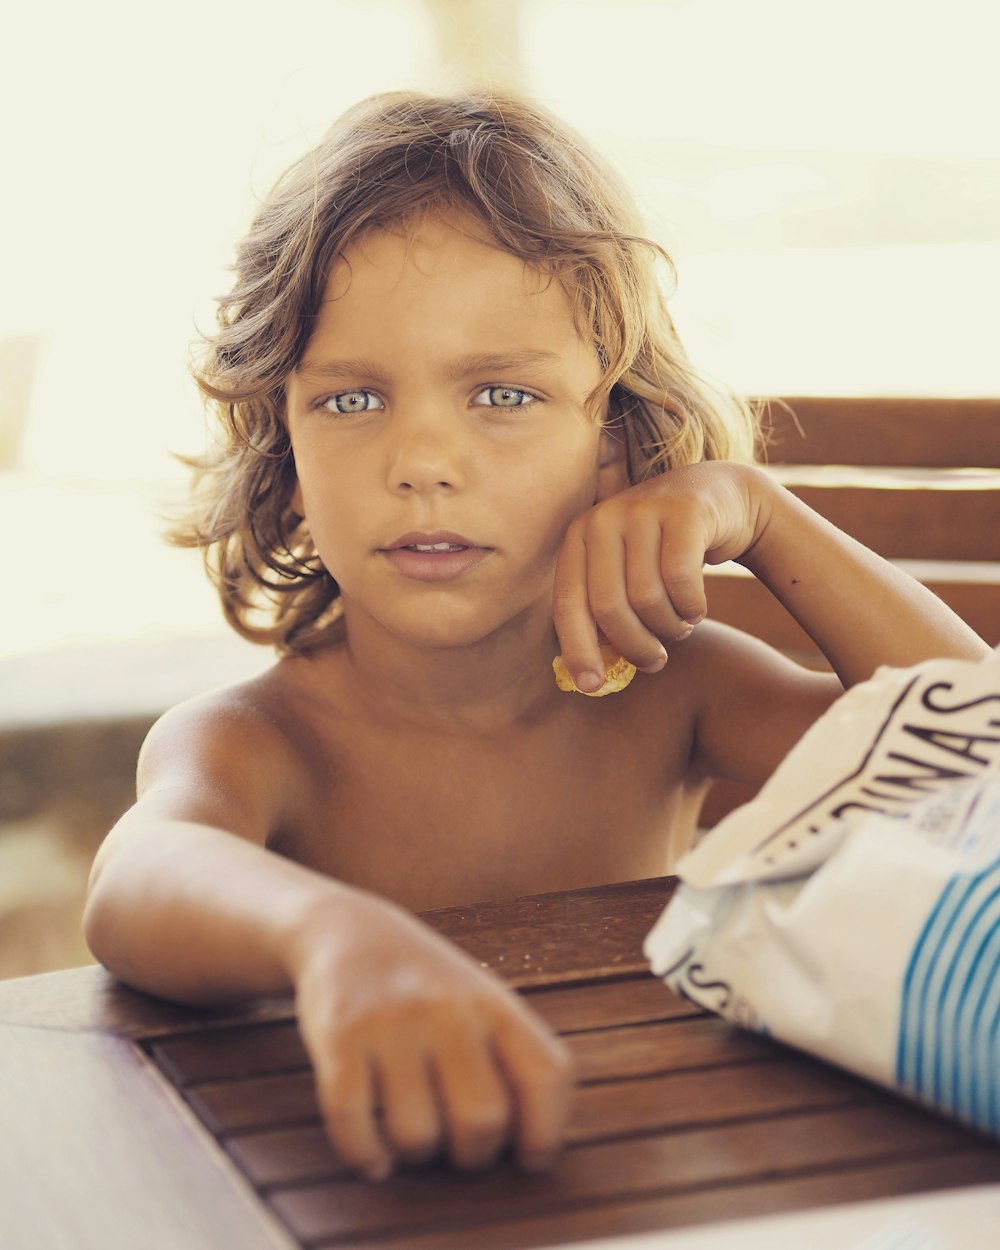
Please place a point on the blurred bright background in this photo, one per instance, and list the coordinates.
(827, 178)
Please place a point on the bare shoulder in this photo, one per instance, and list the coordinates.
(236, 757)
(750, 703)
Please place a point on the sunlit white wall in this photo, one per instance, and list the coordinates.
(142, 134)
(827, 175)
(770, 144)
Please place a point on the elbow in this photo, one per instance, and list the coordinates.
(99, 919)
(105, 912)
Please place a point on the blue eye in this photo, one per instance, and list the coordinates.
(504, 397)
(354, 401)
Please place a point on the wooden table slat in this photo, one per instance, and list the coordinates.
(302, 1154)
(677, 1099)
(255, 1102)
(638, 999)
(646, 1165)
(633, 1050)
(560, 938)
(643, 1050)
(602, 1109)
(232, 1053)
(705, 1204)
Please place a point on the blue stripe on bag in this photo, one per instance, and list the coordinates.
(949, 1031)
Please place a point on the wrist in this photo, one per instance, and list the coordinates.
(326, 924)
(765, 498)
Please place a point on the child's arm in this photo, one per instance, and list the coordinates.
(186, 902)
(632, 566)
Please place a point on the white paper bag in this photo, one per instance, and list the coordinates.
(853, 908)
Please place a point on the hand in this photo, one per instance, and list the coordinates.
(394, 1015)
(631, 566)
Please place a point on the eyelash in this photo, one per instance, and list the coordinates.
(528, 396)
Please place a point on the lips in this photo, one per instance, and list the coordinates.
(434, 556)
(436, 540)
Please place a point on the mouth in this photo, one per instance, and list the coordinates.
(434, 543)
(432, 547)
(435, 556)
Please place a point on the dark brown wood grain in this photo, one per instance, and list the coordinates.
(702, 1205)
(91, 1000)
(913, 523)
(630, 1050)
(128, 1122)
(634, 1167)
(925, 432)
(548, 939)
(747, 604)
(239, 1109)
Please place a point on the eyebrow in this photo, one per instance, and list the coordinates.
(483, 363)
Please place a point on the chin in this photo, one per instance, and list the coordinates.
(439, 630)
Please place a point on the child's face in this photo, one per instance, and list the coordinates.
(441, 404)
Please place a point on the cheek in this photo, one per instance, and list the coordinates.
(554, 497)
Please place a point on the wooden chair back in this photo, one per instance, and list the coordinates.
(917, 480)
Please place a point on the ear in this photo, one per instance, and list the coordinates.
(612, 465)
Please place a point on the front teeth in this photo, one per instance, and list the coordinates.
(437, 547)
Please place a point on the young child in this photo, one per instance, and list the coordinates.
(459, 437)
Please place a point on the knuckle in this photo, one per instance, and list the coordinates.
(340, 1118)
(567, 597)
(548, 1067)
(646, 598)
(609, 609)
(416, 1141)
(478, 1137)
(335, 1088)
(677, 573)
(485, 1119)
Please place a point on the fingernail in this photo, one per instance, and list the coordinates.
(686, 632)
(694, 620)
(656, 664)
(589, 681)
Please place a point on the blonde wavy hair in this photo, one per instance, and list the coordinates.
(546, 198)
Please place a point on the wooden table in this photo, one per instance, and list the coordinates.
(125, 1122)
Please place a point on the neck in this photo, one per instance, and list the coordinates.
(500, 682)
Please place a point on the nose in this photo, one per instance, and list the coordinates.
(425, 457)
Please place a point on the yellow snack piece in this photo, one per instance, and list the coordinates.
(618, 672)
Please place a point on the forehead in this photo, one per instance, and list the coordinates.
(445, 266)
(433, 245)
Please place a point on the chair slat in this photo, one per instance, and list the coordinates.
(884, 431)
(971, 590)
(913, 523)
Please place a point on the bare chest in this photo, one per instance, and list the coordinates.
(431, 820)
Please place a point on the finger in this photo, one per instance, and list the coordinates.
(477, 1104)
(609, 554)
(540, 1073)
(571, 614)
(411, 1116)
(681, 567)
(647, 594)
(346, 1090)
